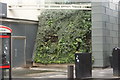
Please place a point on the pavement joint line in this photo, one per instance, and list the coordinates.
(59, 72)
(48, 69)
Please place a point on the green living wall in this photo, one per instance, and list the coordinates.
(61, 33)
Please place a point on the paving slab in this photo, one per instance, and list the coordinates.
(41, 73)
(103, 73)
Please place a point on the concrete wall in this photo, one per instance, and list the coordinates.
(119, 24)
(104, 31)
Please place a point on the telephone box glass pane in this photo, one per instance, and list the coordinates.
(0, 57)
(4, 54)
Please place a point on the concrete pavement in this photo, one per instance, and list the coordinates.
(50, 73)
(57, 73)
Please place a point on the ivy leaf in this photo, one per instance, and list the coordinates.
(70, 28)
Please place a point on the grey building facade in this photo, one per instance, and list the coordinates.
(105, 30)
(23, 37)
(23, 40)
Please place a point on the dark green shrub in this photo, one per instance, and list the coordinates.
(60, 34)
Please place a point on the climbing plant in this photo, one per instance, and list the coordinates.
(60, 34)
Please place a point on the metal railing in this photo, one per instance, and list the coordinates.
(50, 6)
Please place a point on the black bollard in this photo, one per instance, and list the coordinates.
(83, 65)
(70, 72)
(116, 61)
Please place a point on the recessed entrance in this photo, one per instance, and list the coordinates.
(18, 51)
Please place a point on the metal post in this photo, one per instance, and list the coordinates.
(2, 61)
(70, 72)
(10, 69)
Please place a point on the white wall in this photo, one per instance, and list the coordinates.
(31, 14)
(24, 14)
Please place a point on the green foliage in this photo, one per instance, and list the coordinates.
(61, 33)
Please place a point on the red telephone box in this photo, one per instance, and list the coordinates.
(5, 50)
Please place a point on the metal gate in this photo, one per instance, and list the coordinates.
(18, 51)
